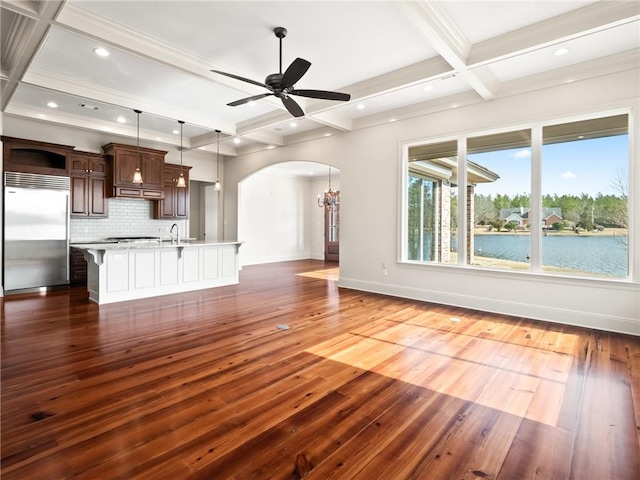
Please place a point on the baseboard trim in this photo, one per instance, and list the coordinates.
(628, 326)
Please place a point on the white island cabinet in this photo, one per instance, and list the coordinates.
(118, 272)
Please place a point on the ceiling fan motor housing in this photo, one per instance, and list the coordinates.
(280, 32)
(274, 81)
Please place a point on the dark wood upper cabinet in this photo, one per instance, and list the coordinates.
(176, 199)
(30, 156)
(124, 160)
(88, 174)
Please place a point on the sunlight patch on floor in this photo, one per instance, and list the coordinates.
(331, 274)
(517, 378)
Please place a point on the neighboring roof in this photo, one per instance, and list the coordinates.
(523, 212)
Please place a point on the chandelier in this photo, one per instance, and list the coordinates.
(330, 197)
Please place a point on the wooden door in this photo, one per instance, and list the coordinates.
(332, 231)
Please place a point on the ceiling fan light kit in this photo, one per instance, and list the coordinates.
(281, 85)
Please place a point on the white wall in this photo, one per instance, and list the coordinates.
(370, 165)
(279, 218)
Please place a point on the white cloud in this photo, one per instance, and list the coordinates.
(524, 153)
(568, 174)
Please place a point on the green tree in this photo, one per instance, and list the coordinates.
(497, 224)
(521, 200)
(501, 201)
(586, 219)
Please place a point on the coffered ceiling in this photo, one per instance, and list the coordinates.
(397, 59)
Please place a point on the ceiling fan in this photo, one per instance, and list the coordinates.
(281, 85)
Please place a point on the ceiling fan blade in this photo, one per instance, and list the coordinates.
(294, 72)
(323, 94)
(248, 99)
(292, 106)
(237, 77)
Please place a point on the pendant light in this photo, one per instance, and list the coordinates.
(137, 175)
(218, 186)
(181, 181)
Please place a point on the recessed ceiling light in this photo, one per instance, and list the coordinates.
(270, 147)
(293, 124)
(175, 132)
(561, 51)
(391, 120)
(236, 140)
(580, 137)
(360, 106)
(121, 120)
(101, 52)
(428, 88)
(52, 105)
(328, 134)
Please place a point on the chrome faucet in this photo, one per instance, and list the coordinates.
(177, 239)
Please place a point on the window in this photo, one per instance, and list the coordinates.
(431, 204)
(584, 197)
(577, 224)
(499, 200)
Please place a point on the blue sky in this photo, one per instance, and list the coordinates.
(584, 166)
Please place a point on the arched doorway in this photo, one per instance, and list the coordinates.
(279, 218)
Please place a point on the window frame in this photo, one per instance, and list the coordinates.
(536, 128)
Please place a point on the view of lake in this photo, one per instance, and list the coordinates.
(596, 254)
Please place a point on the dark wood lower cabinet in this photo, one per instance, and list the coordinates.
(77, 267)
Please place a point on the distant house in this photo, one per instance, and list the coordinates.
(520, 216)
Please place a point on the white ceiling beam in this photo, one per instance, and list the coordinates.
(225, 150)
(87, 123)
(436, 26)
(209, 138)
(89, 91)
(590, 19)
(261, 136)
(401, 78)
(333, 120)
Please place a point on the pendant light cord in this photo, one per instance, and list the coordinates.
(181, 122)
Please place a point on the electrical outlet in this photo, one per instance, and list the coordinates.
(384, 269)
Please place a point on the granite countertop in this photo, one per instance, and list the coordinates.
(138, 245)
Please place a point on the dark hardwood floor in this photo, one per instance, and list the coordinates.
(287, 376)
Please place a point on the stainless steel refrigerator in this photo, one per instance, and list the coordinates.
(36, 231)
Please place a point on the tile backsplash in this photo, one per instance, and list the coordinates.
(127, 217)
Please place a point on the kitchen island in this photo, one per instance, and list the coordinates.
(126, 271)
